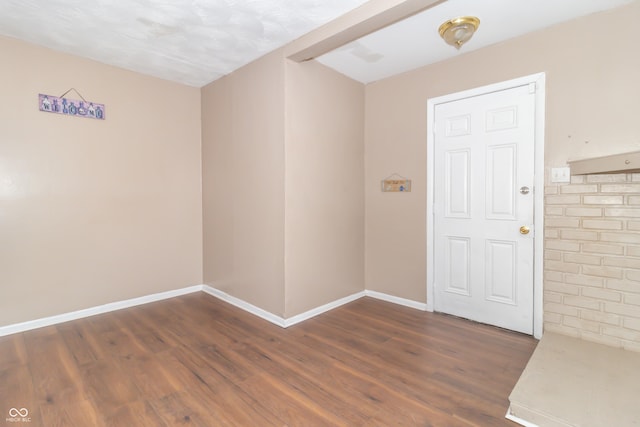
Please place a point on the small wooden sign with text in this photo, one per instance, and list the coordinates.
(396, 185)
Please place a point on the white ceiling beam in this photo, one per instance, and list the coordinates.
(370, 17)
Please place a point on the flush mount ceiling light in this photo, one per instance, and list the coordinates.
(458, 31)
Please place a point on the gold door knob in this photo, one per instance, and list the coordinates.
(524, 230)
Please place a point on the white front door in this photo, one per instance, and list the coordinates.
(483, 208)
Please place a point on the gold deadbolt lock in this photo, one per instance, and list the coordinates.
(524, 230)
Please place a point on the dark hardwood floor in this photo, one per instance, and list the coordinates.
(197, 361)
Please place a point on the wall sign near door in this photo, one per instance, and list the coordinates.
(70, 107)
(398, 184)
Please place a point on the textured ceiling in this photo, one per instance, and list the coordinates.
(188, 41)
(197, 41)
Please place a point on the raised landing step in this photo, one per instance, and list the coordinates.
(571, 382)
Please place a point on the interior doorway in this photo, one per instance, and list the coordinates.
(484, 163)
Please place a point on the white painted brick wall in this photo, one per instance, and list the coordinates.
(592, 259)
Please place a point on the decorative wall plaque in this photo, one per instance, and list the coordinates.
(396, 185)
(71, 107)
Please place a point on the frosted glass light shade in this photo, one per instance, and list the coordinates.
(458, 31)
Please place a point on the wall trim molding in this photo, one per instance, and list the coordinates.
(237, 302)
(277, 320)
(517, 420)
(397, 300)
(322, 309)
(92, 311)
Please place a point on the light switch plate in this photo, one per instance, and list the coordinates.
(561, 174)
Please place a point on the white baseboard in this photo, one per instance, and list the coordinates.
(397, 300)
(276, 320)
(517, 420)
(61, 318)
(322, 309)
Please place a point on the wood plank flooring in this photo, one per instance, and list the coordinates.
(197, 361)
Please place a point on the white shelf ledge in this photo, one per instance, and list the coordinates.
(617, 163)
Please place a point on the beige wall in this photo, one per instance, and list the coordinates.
(243, 183)
(324, 179)
(282, 185)
(592, 95)
(92, 211)
(98, 211)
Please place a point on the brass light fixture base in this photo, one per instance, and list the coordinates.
(458, 31)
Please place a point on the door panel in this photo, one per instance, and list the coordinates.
(500, 191)
(458, 126)
(457, 266)
(500, 278)
(457, 175)
(484, 154)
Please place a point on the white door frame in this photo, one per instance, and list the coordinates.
(539, 81)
